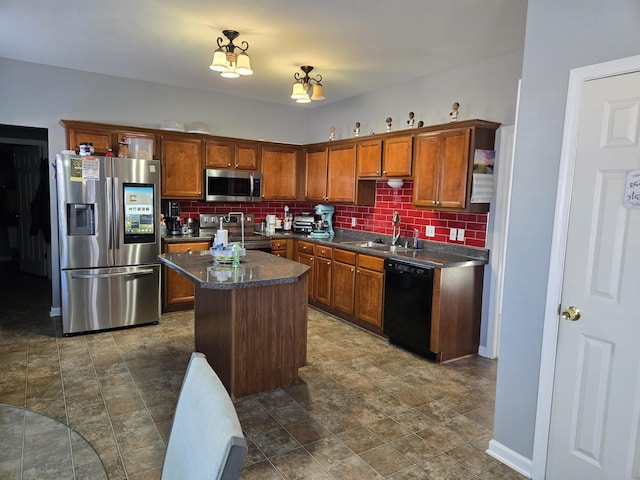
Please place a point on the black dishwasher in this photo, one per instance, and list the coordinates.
(407, 305)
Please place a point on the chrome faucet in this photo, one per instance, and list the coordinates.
(396, 229)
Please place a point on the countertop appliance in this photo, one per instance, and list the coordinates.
(303, 223)
(232, 186)
(210, 224)
(109, 210)
(407, 305)
(324, 224)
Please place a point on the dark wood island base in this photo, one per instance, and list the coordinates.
(253, 338)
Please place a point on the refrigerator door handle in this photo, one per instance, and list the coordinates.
(116, 213)
(86, 276)
(109, 196)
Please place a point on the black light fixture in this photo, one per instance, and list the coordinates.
(231, 60)
(304, 84)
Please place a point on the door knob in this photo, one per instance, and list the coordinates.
(571, 313)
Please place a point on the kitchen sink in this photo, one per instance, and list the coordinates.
(366, 244)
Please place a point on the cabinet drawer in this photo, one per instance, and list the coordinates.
(278, 245)
(371, 263)
(305, 247)
(322, 251)
(185, 247)
(344, 256)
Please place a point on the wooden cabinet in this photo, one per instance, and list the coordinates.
(341, 174)
(322, 281)
(443, 165)
(456, 312)
(231, 154)
(397, 156)
(178, 292)
(282, 248)
(316, 175)
(369, 156)
(182, 167)
(388, 158)
(282, 173)
(343, 281)
(304, 255)
(330, 174)
(102, 139)
(369, 290)
(122, 135)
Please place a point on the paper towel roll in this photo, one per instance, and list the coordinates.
(222, 237)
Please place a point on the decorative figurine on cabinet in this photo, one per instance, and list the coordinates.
(332, 133)
(420, 124)
(356, 131)
(411, 120)
(453, 114)
(388, 120)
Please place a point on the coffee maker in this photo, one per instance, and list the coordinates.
(171, 210)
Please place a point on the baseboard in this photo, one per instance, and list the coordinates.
(55, 312)
(483, 351)
(510, 458)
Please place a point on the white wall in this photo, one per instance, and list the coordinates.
(560, 35)
(485, 90)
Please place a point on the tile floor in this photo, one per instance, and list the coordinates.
(362, 410)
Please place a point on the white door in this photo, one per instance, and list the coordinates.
(32, 248)
(594, 429)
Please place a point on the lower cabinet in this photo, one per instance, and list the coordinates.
(369, 290)
(304, 255)
(178, 292)
(357, 284)
(322, 272)
(282, 248)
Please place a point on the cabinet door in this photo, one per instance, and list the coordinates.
(426, 170)
(343, 284)
(279, 174)
(341, 174)
(322, 281)
(218, 154)
(368, 297)
(316, 175)
(101, 139)
(396, 156)
(121, 135)
(452, 191)
(247, 156)
(369, 156)
(308, 261)
(182, 170)
(178, 289)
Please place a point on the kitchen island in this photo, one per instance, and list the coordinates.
(250, 320)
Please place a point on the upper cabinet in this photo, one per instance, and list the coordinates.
(385, 158)
(282, 173)
(182, 167)
(231, 154)
(331, 174)
(443, 166)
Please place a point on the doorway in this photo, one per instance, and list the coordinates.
(25, 231)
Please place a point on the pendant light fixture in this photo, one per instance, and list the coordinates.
(231, 60)
(304, 85)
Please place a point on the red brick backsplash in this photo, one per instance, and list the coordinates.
(375, 219)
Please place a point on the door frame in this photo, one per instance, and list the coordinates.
(577, 78)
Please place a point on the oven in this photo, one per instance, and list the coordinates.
(210, 224)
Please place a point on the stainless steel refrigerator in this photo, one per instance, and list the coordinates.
(108, 214)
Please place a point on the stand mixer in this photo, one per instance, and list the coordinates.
(325, 229)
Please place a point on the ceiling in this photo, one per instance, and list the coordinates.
(357, 46)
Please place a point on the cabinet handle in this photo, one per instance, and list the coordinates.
(236, 166)
(352, 270)
(434, 202)
(189, 250)
(228, 164)
(328, 262)
(377, 172)
(384, 172)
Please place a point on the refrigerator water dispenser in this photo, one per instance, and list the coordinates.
(81, 219)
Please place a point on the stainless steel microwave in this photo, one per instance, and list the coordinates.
(232, 186)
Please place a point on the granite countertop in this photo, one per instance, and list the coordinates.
(435, 254)
(256, 269)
